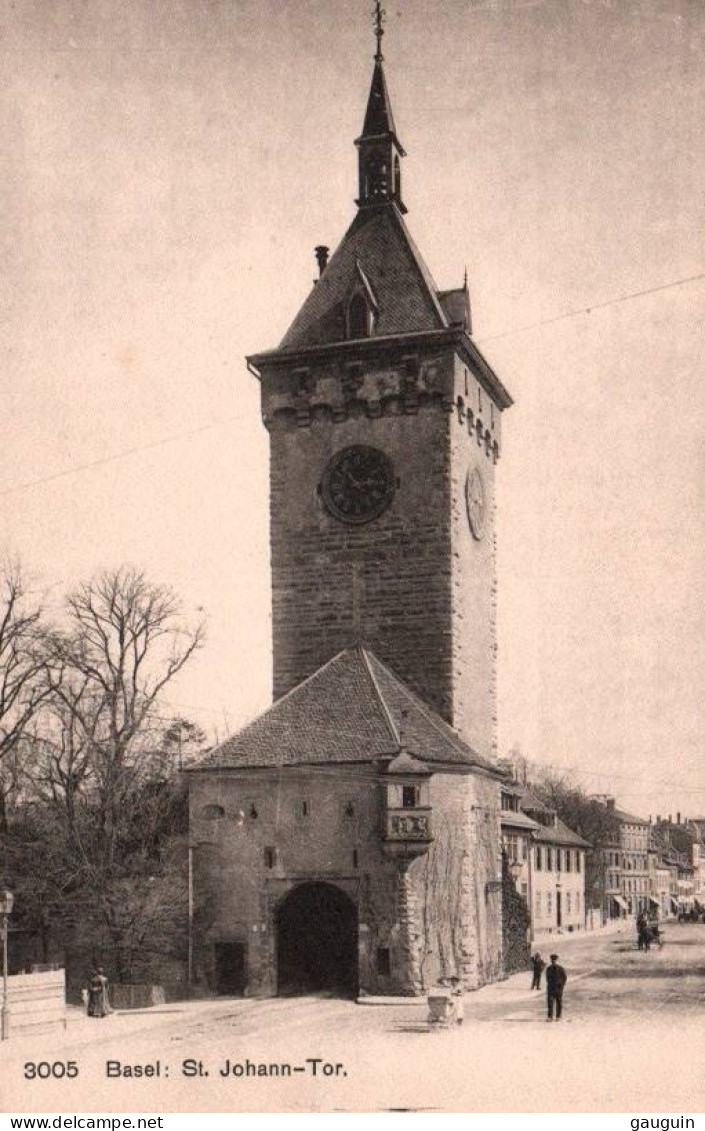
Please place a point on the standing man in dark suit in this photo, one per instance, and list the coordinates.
(556, 979)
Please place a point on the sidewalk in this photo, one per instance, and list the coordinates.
(81, 1030)
(614, 927)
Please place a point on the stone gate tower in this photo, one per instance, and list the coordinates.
(349, 838)
(384, 422)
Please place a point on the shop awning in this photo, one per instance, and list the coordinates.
(674, 905)
(656, 902)
(622, 902)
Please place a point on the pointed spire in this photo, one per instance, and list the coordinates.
(379, 118)
(379, 146)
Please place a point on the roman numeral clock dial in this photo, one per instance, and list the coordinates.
(358, 484)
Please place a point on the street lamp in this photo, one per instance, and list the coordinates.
(6, 901)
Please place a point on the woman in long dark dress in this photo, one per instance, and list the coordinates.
(98, 1003)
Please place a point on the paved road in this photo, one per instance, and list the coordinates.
(631, 1040)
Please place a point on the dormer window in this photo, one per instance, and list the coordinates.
(360, 317)
(510, 804)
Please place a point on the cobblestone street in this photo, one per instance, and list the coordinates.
(629, 1020)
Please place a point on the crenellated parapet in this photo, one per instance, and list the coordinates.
(301, 391)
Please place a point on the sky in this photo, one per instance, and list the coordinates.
(169, 168)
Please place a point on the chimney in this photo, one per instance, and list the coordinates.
(678, 818)
(322, 253)
(609, 802)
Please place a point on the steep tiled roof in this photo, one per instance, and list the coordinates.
(377, 242)
(350, 710)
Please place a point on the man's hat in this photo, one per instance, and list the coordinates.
(553, 956)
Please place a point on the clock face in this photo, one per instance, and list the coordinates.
(358, 484)
(476, 503)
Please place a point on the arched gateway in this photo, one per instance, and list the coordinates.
(317, 941)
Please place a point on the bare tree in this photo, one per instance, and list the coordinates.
(22, 656)
(22, 687)
(585, 816)
(99, 758)
(126, 641)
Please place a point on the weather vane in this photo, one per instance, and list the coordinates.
(380, 19)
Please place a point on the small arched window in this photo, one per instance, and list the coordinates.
(377, 177)
(358, 317)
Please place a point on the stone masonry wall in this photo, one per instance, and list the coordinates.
(425, 919)
(412, 584)
(386, 583)
(474, 445)
(457, 885)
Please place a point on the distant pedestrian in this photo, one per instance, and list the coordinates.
(537, 966)
(556, 979)
(459, 1007)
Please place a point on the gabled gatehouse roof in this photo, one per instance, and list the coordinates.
(353, 709)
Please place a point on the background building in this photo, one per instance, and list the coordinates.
(623, 856)
(546, 860)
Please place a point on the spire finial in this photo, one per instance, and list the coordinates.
(380, 19)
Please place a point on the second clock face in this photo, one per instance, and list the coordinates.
(476, 503)
(358, 484)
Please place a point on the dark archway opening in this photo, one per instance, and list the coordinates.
(317, 941)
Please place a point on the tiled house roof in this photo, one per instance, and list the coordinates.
(559, 833)
(554, 832)
(628, 818)
(353, 709)
(517, 820)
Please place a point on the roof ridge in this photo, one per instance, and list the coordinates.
(420, 264)
(385, 709)
(446, 731)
